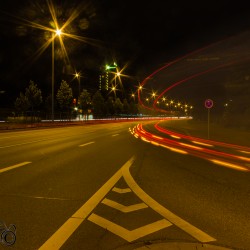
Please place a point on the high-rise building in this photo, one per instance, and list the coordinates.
(106, 76)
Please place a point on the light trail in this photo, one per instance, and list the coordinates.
(219, 158)
(201, 140)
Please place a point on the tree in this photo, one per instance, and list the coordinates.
(110, 106)
(85, 101)
(118, 106)
(33, 95)
(21, 103)
(125, 107)
(64, 96)
(98, 102)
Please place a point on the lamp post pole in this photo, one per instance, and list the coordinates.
(53, 80)
(53, 35)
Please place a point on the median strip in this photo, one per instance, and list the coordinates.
(14, 166)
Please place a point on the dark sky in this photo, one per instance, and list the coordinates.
(141, 34)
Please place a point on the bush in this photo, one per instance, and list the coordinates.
(23, 119)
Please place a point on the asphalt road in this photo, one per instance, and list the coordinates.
(98, 187)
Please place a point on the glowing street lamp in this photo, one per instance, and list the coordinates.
(78, 76)
(114, 90)
(153, 94)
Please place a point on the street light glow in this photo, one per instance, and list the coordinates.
(58, 32)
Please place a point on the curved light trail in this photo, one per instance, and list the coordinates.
(166, 66)
(187, 79)
(180, 81)
(233, 161)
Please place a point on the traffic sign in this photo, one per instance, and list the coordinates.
(209, 103)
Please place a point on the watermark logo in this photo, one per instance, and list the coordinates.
(7, 234)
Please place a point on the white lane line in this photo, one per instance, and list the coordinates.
(85, 144)
(122, 208)
(184, 225)
(14, 166)
(125, 233)
(20, 144)
(121, 190)
(115, 135)
(68, 228)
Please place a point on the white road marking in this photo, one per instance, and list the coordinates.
(115, 135)
(122, 208)
(121, 190)
(20, 144)
(125, 233)
(14, 166)
(182, 224)
(85, 144)
(68, 228)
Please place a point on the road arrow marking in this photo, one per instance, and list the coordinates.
(122, 208)
(125, 233)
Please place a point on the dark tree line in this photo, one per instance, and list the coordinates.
(31, 103)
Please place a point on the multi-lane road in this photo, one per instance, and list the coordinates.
(121, 186)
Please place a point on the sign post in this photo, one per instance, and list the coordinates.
(208, 104)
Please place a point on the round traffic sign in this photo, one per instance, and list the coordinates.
(209, 103)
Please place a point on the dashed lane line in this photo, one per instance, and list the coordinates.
(115, 135)
(24, 143)
(85, 144)
(14, 166)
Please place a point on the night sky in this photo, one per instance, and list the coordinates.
(144, 35)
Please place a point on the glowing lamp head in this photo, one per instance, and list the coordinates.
(58, 32)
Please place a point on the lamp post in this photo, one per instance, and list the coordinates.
(78, 76)
(53, 35)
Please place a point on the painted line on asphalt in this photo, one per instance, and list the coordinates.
(125, 233)
(85, 144)
(68, 228)
(121, 190)
(20, 144)
(14, 166)
(115, 135)
(182, 224)
(123, 208)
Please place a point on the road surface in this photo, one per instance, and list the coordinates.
(100, 187)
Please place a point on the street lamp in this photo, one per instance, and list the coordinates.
(57, 32)
(114, 90)
(78, 76)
